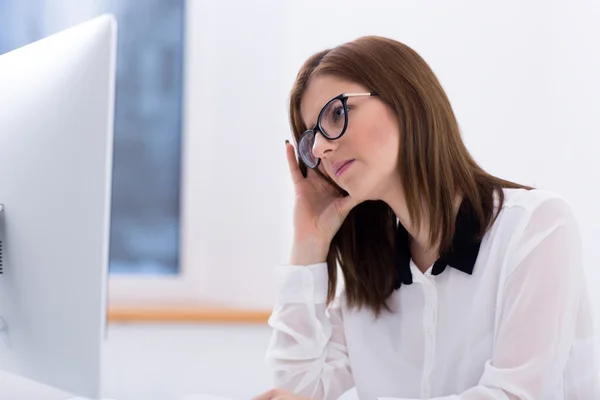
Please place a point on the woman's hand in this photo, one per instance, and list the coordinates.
(279, 394)
(319, 211)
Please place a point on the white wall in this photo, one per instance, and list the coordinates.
(522, 77)
(235, 194)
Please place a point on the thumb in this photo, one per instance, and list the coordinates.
(345, 204)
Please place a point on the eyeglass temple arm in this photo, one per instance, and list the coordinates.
(360, 94)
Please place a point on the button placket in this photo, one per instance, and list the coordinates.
(430, 329)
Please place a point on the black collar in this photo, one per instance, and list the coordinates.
(462, 255)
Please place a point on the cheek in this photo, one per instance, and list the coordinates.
(328, 177)
(383, 142)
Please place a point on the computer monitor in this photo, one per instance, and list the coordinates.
(56, 138)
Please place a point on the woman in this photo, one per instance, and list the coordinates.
(456, 284)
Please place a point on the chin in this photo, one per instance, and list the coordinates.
(358, 193)
(365, 193)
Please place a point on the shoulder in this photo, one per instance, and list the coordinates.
(536, 203)
(536, 216)
(530, 199)
(527, 213)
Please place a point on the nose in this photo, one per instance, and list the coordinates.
(323, 147)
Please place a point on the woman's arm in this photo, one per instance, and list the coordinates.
(307, 353)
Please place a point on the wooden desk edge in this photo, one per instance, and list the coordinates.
(184, 314)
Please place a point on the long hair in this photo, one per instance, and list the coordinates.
(434, 164)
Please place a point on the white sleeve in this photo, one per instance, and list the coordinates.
(540, 308)
(307, 352)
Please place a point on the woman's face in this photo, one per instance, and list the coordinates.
(368, 148)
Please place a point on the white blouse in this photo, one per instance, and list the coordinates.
(515, 324)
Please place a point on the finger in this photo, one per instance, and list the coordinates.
(284, 395)
(293, 163)
(268, 395)
(313, 175)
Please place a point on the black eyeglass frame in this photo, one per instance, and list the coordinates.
(318, 127)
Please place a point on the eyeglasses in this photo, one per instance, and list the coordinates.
(332, 123)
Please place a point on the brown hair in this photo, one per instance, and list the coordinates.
(434, 164)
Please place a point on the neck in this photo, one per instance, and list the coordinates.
(423, 253)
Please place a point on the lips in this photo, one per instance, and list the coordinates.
(340, 166)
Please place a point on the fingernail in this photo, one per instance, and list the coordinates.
(287, 142)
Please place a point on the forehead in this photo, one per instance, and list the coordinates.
(320, 90)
